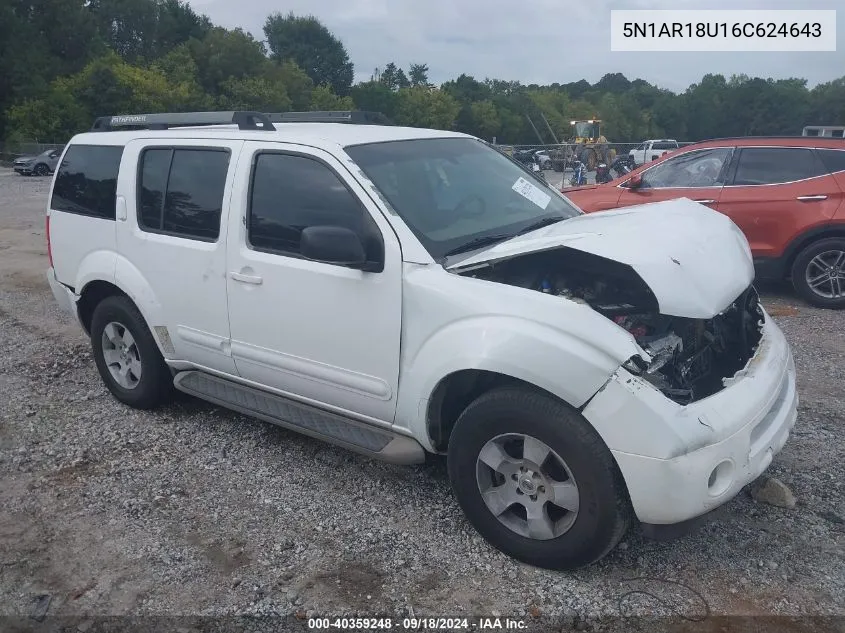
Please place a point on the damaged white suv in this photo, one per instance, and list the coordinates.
(401, 291)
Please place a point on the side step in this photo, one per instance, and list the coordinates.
(323, 425)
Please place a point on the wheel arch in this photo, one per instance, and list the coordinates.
(91, 296)
(454, 392)
(805, 239)
(128, 285)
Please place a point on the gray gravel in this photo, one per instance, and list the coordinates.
(196, 510)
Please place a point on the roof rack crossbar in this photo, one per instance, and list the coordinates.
(165, 120)
(359, 117)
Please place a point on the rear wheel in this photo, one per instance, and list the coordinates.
(818, 273)
(536, 480)
(589, 159)
(127, 356)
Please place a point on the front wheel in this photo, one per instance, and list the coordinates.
(818, 273)
(41, 170)
(536, 480)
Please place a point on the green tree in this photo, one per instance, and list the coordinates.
(322, 98)
(418, 75)
(147, 29)
(297, 84)
(374, 96)
(826, 104)
(394, 77)
(224, 54)
(422, 107)
(253, 93)
(106, 86)
(306, 41)
(485, 120)
(704, 102)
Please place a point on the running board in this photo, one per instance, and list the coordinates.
(297, 416)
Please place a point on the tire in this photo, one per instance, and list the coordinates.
(41, 170)
(577, 538)
(826, 256)
(148, 382)
(589, 159)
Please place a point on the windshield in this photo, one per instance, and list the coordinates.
(454, 193)
(586, 130)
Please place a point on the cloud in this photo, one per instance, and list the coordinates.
(532, 41)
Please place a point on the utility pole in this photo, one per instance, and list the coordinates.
(533, 127)
(557, 142)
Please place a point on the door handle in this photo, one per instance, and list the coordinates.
(811, 198)
(246, 279)
(705, 201)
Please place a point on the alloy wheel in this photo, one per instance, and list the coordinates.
(120, 351)
(825, 274)
(527, 486)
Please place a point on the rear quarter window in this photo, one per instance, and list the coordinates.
(86, 181)
(833, 159)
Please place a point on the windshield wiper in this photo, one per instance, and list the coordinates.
(539, 224)
(478, 242)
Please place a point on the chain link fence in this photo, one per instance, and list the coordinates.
(561, 157)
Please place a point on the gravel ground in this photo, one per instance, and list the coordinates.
(196, 510)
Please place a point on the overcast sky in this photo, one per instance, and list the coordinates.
(532, 41)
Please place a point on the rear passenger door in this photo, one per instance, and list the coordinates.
(775, 193)
(172, 240)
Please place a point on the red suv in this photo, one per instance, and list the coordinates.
(786, 194)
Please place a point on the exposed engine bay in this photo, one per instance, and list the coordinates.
(690, 358)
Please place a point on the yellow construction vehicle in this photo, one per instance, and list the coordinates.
(588, 145)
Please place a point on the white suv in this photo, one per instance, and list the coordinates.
(402, 291)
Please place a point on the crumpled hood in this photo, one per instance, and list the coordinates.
(695, 260)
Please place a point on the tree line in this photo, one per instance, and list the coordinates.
(65, 62)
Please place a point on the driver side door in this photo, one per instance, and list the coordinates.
(698, 175)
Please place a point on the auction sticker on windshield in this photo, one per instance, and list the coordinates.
(532, 193)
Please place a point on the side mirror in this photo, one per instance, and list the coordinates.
(635, 182)
(333, 245)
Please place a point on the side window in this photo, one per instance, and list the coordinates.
(180, 191)
(290, 193)
(833, 159)
(86, 182)
(665, 145)
(774, 165)
(702, 168)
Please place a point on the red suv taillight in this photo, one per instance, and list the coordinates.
(49, 249)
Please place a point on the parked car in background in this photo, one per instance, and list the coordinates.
(525, 156)
(41, 165)
(652, 150)
(786, 194)
(542, 158)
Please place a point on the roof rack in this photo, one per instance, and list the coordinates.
(165, 120)
(359, 117)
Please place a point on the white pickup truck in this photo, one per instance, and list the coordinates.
(653, 149)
